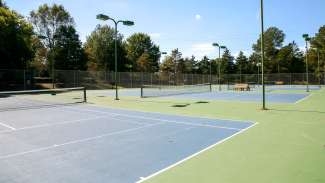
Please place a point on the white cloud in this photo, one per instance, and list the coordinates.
(202, 49)
(155, 35)
(198, 17)
(303, 48)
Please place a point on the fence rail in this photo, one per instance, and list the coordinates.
(28, 79)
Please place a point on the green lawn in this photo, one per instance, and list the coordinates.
(288, 144)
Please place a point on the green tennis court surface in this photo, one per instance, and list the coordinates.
(287, 146)
(54, 135)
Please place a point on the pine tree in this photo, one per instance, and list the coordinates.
(227, 63)
(241, 64)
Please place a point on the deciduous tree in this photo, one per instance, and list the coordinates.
(15, 40)
(273, 41)
(100, 49)
(140, 45)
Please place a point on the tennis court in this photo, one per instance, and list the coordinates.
(83, 143)
(290, 87)
(250, 96)
(246, 97)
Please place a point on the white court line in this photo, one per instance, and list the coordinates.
(78, 141)
(305, 98)
(53, 124)
(7, 126)
(142, 179)
(162, 120)
(69, 122)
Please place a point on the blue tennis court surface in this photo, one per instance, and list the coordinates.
(224, 96)
(82, 143)
(247, 97)
(291, 87)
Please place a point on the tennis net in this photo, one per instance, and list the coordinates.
(14, 100)
(160, 90)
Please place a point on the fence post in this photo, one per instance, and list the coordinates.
(78, 78)
(85, 94)
(74, 78)
(131, 79)
(290, 79)
(119, 78)
(24, 78)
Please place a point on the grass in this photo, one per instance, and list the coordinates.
(288, 144)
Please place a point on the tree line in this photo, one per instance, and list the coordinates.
(48, 38)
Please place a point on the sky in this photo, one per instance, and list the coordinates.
(193, 25)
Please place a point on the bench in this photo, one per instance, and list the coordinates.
(279, 83)
(242, 87)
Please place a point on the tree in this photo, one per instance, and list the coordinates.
(15, 40)
(273, 41)
(189, 65)
(168, 65)
(139, 44)
(318, 44)
(319, 40)
(241, 65)
(173, 63)
(144, 63)
(2, 4)
(177, 59)
(254, 62)
(68, 52)
(40, 55)
(204, 66)
(227, 63)
(100, 49)
(290, 59)
(47, 20)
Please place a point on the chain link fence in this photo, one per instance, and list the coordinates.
(11, 80)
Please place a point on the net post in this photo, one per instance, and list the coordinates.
(142, 92)
(85, 94)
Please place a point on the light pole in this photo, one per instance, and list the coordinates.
(124, 22)
(240, 73)
(262, 53)
(162, 53)
(307, 39)
(177, 57)
(211, 71)
(219, 64)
